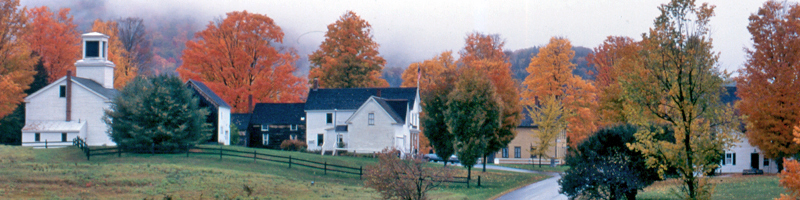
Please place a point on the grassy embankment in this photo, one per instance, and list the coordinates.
(65, 173)
(544, 168)
(731, 187)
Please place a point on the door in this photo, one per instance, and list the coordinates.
(754, 160)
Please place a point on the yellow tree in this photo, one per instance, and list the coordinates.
(16, 62)
(612, 58)
(677, 82)
(484, 53)
(124, 71)
(550, 74)
(348, 58)
(549, 117)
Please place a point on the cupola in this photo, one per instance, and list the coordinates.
(94, 64)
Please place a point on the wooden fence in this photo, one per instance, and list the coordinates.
(47, 145)
(256, 156)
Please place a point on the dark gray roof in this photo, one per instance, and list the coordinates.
(526, 121)
(96, 87)
(729, 97)
(341, 128)
(278, 113)
(352, 98)
(241, 121)
(207, 93)
(395, 107)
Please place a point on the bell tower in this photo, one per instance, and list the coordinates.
(94, 64)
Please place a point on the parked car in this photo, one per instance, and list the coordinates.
(432, 157)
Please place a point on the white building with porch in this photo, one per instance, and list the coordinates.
(73, 106)
(362, 120)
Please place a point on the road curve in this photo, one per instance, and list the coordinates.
(545, 189)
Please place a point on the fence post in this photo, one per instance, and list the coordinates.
(254, 156)
(45, 144)
(326, 167)
(220, 153)
(360, 171)
(479, 181)
(88, 153)
(290, 161)
(152, 148)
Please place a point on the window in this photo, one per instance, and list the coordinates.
(293, 127)
(329, 119)
(92, 49)
(371, 118)
(63, 137)
(265, 127)
(265, 139)
(37, 137)
(517, 152)
(505, 152)
(730, 158)
(62, 91)
(766, 162)
(320, 139)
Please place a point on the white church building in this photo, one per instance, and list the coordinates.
(73, 106)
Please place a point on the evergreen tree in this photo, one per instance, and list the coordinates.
(157, 111)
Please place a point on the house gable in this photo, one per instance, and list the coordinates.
(91, 86)
(381, 103)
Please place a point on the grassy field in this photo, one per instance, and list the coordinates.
(732, 187)
(65, 173)
(544, 168)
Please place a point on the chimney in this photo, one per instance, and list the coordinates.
(379, 92)
(315, 84)
(69, 95)
(250, 103)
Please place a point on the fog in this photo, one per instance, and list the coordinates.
(412, 31)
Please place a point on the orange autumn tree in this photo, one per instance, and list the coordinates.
(236, 57)
(16, 64)
(55, 39)
(790, 177)
(348, 58)
(770, 79)
(550, 75)
(124, 71)
(484, 52)
(431, 72)
(616, 55)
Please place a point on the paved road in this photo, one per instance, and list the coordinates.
(544, 189)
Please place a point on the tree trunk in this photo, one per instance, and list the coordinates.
(779, 162)
(484, 163)
(631, 195)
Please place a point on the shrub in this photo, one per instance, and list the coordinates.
(294, 145)
(603, 167)
(157, 112)
(406, 178)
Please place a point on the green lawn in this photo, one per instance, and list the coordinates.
(65, 173)
(544, 168)
(734, 187)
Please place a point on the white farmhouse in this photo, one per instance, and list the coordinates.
(743, 156)
(73, 106)
(362, 120)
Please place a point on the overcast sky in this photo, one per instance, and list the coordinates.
(411, 31)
